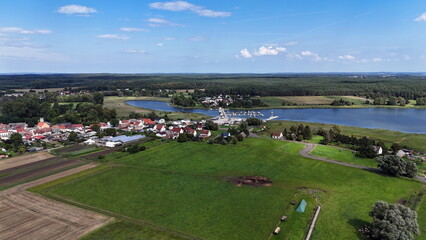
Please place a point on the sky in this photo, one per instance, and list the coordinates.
(212, 36)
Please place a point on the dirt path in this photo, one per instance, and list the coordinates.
(25, 215)
(23, 160)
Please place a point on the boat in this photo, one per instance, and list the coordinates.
(272, 117)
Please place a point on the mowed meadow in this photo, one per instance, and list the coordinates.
(183, 187)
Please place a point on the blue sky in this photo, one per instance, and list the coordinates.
(239, 36)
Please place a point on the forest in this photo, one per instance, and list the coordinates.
(372, 85)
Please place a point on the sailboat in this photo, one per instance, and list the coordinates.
(272, 117)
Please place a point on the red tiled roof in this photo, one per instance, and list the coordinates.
(176, 130)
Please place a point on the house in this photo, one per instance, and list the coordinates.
(204, 133)
(190, 131)
(401, 154)
(42, 124)
(277, 135)
(90, 142)
(177, 130)
(160, 128)
(378, 150)
(4, 134)
(147, 121)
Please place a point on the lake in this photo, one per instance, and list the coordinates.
(402, 120)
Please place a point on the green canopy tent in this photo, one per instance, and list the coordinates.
(302, 206)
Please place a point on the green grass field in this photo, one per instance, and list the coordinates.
(183, 187)
(342, 155)
(415, 141)
(122, 230)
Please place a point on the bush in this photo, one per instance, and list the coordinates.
(234, 141)
(182, 138)
(411, 169)
(224, 142)
(240, 137)
(393, 221)
(396, 166)
(391, 164)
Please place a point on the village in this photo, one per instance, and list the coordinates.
(45, 132)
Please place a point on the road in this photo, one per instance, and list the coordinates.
(25, 215)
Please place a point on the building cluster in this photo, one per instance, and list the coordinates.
(42, 131)
(216, 101)
(46, 132)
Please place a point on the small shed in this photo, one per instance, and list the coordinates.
(302, 206)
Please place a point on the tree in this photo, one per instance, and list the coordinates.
(98, 98)
(254, 121)
(95, 127)
(393, 222)
(182, 138)
(210, 125)
(307, 134)
(391, 164)
(285, 133)
(367, 151)
(336, 129)
(16, 140)
(114, 122)
(240, 137)
(72, 137)
(411, 169)
(395, 147)
(110, 132)
(233, 131)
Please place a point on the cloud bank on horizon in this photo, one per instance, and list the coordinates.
(212, 36)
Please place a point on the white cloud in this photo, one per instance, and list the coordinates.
(312, 55)
(169, 39)
(77, 10)
(377, 59)
(113, 36)
(160, 44)
(132, 29)
(135, 51)
(197, 39)
(265, 50)
(347, 57)
(245, 53)
(178, 6)
(24, 31)
(157, 22)
(269, 50)
(421, 18)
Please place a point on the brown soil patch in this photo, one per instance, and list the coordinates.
(25, 215)
(250, 181)
(25, 159)
(36, 172)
